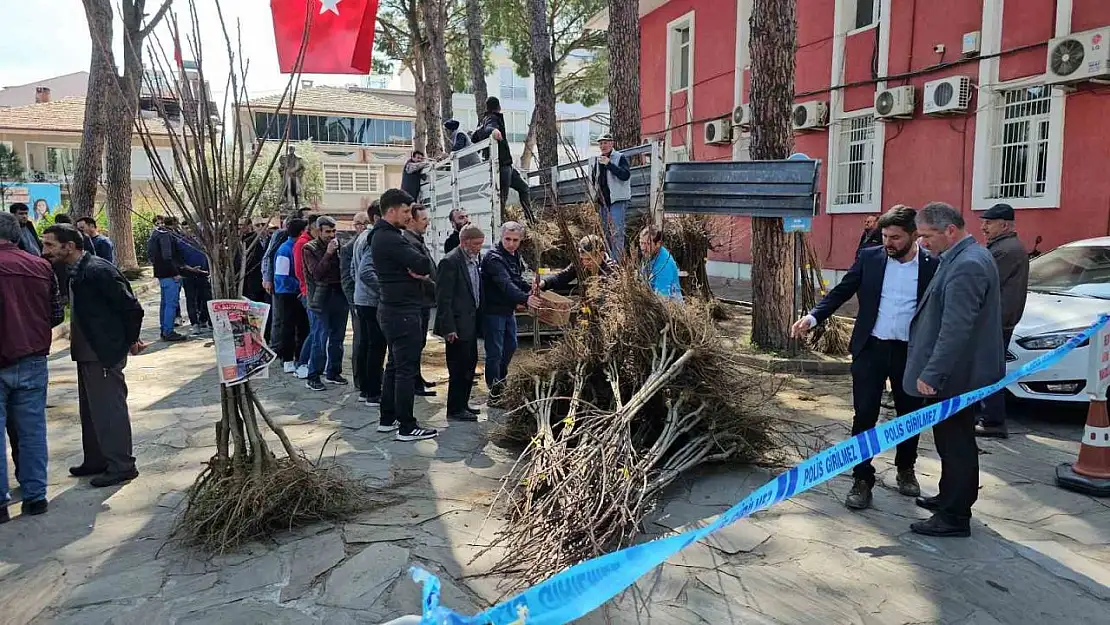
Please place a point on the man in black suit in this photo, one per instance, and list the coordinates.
(458, 295)
(888, 281)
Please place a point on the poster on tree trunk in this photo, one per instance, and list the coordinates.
(238, 330)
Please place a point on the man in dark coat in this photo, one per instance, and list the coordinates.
(458, 298)
(955, 347)
(1013, 274)
(414, 232)
(105, 319)
(888, 281)
(413, 175)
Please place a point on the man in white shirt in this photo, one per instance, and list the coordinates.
(888, 282)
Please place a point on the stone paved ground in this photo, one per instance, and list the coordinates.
(1037, 555)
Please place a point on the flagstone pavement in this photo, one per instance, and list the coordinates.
(1037, 554)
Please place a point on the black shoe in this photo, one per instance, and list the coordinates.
(462, 416)
(859, 498)
(374, 402)
(336, 379)
(941, 528)
(907, 483)
(85, 471)
(423, 392)
(427, 384)
(314, 384)
(111, 479)
(174, 337)
(474, 411)
(984, 430)
(34, 508)
(931, 504)
(416, 434)
(4, 516)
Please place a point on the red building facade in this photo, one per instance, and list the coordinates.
(1044, 150)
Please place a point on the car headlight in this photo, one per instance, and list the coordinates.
(1050, 341)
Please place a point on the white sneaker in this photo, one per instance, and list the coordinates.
(289, 367)
(417, 434)
(302, 372)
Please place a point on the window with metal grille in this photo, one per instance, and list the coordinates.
(681, 58)
(352, 178)
(856, 160)
(1019, 149)
(516, 124)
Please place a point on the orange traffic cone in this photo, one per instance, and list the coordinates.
(1090, 474)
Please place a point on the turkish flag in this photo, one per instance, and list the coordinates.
(340, 35)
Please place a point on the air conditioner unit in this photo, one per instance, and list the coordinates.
(718, 132)
(810, 115)
(1078, 57)
(947, 96)
(896, 103)
(742, 116)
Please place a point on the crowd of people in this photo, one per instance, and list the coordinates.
(936, 313)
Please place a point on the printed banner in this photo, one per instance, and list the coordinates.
(42, 198)
(238, 330)
(584, 587)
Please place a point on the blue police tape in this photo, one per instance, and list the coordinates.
(584, 587)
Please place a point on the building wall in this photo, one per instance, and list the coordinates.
(917, 160)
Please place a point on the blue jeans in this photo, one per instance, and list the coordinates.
(170, 304)
(328, 334)
(500, 337)
(614, 222)
(305, 356)
(23, 401)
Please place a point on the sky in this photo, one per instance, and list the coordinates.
(47, 38)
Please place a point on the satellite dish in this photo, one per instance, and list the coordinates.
(798, 156)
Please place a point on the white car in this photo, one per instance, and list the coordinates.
(1069, 288)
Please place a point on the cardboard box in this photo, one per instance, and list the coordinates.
(556, 309)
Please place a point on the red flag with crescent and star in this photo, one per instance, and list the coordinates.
(340, 35)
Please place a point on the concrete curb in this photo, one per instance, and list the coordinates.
(774, 364)
(62, 330)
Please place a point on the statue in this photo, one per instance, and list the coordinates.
(291, 168)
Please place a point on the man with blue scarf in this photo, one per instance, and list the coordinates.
(660, 268)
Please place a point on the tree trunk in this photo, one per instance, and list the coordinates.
(477, 54)
(420, 126)
(90, 159)
(120, 118)
(773, 39)
(529, 145)
(439, 51)
(624, 72)
(429, 10)
(543, 71)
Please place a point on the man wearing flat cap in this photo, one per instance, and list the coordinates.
(612, 178)
(1013, 274)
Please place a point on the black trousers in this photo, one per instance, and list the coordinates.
(198, 292)
(959, 466)
(401, 327)
(105, 421)
(425, 321)
(294, 326)
(994, 407)
(511, 179)
(356, 345)
(370, 353)
(462, 358)
(876, 363)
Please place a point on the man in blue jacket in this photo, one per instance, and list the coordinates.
(503, 291)
(195, 280)
(660, 268)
